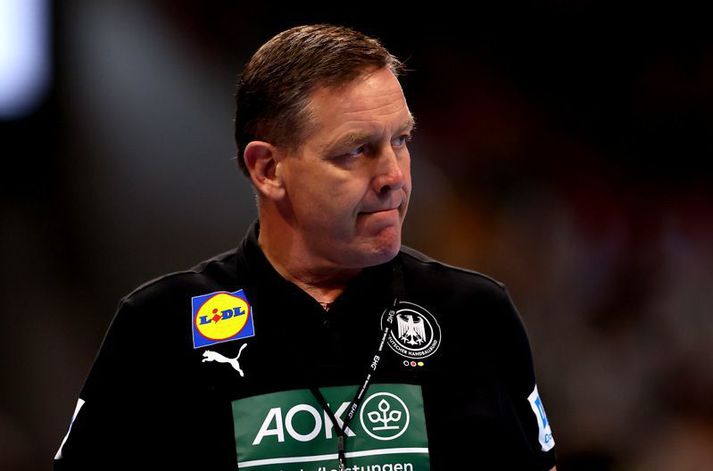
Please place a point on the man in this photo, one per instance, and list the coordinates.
(320, 343)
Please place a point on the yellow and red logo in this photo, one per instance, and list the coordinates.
(221, 317)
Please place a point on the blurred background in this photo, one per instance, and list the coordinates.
(562, 148)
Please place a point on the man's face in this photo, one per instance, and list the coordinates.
(349, 184)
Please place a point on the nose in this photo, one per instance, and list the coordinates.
(390, 172)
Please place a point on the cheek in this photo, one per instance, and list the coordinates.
(329, 199)
(326, 195)
(406, 169)
(346, 197)
(344, 189)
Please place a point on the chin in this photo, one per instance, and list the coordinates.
(384, 256)
(383, 248)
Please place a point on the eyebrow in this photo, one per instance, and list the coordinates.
(352, 138)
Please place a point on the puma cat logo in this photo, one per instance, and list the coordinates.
(209, 355)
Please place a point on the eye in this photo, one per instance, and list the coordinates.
(403, 140)
(356, 152)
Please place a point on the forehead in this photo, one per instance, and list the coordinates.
(371, 103)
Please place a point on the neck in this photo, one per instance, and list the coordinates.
(292, 259)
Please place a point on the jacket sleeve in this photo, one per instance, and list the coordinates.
(521, 398)
(113, 418)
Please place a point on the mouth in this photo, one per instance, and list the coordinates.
(396, 208)
(378, 211)
(387, 212)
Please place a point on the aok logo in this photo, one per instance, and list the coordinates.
(383, 416)
(221, 317)
(289, 431)
(302, 422)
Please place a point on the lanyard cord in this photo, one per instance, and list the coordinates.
(371, 370)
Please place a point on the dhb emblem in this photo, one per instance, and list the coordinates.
(417, 334)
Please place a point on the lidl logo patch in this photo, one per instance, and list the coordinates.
(221, 317)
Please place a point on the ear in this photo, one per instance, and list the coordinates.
(262, 161)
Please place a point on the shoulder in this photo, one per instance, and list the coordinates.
(450, 281)
(474, 309)
(163, 304)
(213, 274)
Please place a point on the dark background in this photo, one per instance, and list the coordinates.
(563, 148)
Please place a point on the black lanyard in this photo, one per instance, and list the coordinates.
(371, 370)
